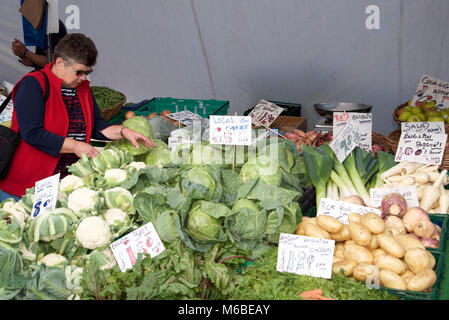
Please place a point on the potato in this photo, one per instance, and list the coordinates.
(390, 245)
(377, 252)
(392, 280)
(432, 260)
(314, 231)
(350, 241)
(407, 275)
(309, 219)
(360, 234)
(328, 223)
(387, 261)
(300, 228)
(343, 235)
(339, 250)
(422, 281)
(417, 259)
(409, 241)
(336, 259)
(363, 271)
(373, 222)
(373, 245)
(347, 266)
(354, 217)
(358, 253)
(391, 231)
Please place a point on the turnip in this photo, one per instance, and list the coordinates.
(395, 223)
(354, 199)
(430, 242)
(393, 204)
(413, 216)
(424, 229)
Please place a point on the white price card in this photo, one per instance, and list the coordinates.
(421, 144)
(230, 130)
(432, 89)
(409, 193)
(346, 141)
(142, 240)
(173, 142)
(362, 122)
(340, 210)
(424, 127)
(265, 113)
(45, 195)
(305, 255)
(185, 117)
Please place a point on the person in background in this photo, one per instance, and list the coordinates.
(39, 58)
(57, 132)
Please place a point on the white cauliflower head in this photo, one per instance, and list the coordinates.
(53, 259)
(93, 232)
(84, 200)
(70, 183)
(115, 176)
(137, 164)
(114, 216)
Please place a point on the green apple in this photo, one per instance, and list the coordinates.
(422, 116)
(435, 119)
(404, 116)
(415, 110)
(446, 121)
(413, 118)
(432, 113)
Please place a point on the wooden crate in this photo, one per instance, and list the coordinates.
(288, 123)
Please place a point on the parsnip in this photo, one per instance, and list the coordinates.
(433, 176)
(427, 169)
(420, 190)
(396, 179)
(421, 177)
(411, 168)
(394, 170)
(443, 201)
(432, 192)
(408, 181)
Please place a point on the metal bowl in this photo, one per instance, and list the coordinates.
(327, 109)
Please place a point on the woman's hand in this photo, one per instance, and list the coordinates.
(18, 48)
(135, 137)
(82, 147)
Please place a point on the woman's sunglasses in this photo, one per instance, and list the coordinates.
(79, 73)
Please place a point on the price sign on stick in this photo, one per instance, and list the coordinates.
(362, 122)
(45, 195)
(341, 210)
(265, 113)
(346, 141)
(305, 255)
(432, 90)
(422, 142)
(230, 130)
(185, 117)
(143, 240)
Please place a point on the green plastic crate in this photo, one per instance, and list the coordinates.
(204, 108)
(434, 292)
(443, 221)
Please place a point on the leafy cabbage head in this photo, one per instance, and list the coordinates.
(264, 167)
(247, 221)
(158, 156)
(205, 154)
(201, 183)
(203, 227)
(139, 124)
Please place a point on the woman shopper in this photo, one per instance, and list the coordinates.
(56, 115)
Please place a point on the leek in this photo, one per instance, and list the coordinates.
(357, 181)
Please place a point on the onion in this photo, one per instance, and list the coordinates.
(129, 114)
(354, 199)
(393, 204)
(413, 216)
(430, 242)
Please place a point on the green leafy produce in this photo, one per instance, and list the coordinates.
(106, 97)
(12, 279)
(139, 124)
(386, 161)
(10, 228)
(359, 169)
(319, 167)
(119, 198)
(201, 182)
(158, 156)
(264, 167)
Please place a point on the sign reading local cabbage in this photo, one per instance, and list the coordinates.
(362, 123)
(345, 141)
(341, 210)
(142, 240)
(305, 255)
(409, 193)
(230, 130)
(265, 113)
(45, 195)
(185, 117)
(422, 142)
(432, 89)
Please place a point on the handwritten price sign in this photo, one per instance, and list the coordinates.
(230, 130)
(185, 117)
(305, 255)
(45, 195)
(345, 141)
(265, 112)
(432, 89)
(143, 240)
(341, 210)
(362, 122)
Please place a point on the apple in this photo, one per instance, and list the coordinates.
(435, 119)
(414, 118)
(404, 116)
(422, 116)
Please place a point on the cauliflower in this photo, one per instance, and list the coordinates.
(137, 164)
(70, 183)
(73, 277)
(115, 177)
(114, 216)
(26, 254)
(53, 259)
(84, 200)
(17, 211)
(120, 198)
(93, 232)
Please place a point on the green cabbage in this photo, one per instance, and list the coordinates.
(201, 183)
(119, 198)
(264, 167)
(158, 156)
(141, 125)
(51, 225)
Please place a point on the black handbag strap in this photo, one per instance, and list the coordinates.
(46, 95)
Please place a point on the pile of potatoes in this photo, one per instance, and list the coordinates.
(366, 249)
